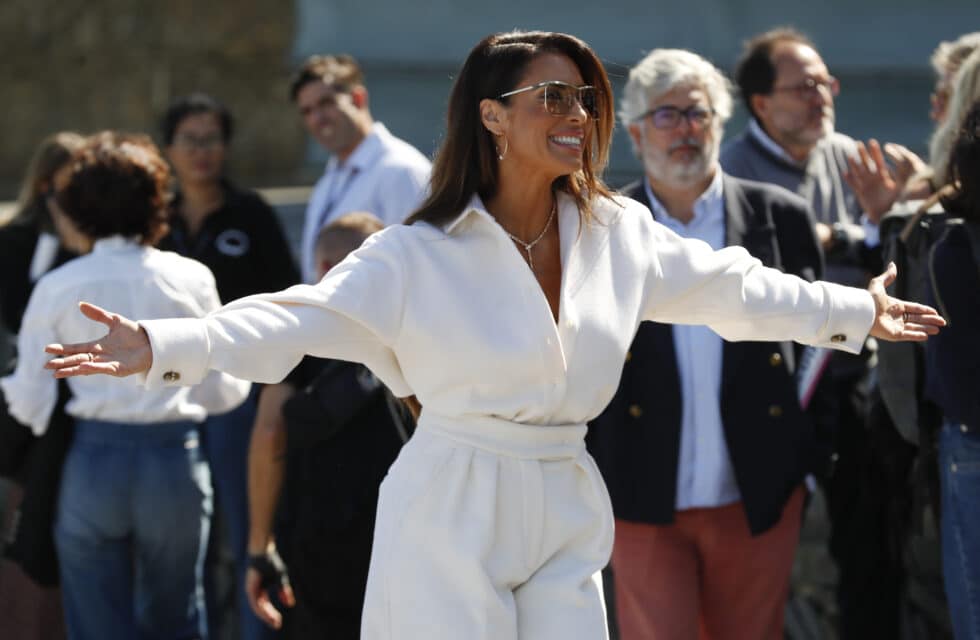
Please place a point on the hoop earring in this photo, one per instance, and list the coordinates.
(500, 155)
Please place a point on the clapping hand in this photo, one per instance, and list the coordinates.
(898, 320)
(876, 185)
(123, 351)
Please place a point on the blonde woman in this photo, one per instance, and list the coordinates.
(965, 92)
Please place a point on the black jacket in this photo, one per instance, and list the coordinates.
(33, 462)
(343, 434)
(952, 375)
(242, 243)
(636, 440)
(18, 239)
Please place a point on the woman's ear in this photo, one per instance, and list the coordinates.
(492, 115)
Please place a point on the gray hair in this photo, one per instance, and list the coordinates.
(966, 91)
(949, 55)
(664, 69)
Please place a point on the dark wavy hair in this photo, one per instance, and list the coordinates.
(118, 186)
(466, 163)
(964, 168)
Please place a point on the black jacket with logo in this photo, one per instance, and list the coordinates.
(242, 243)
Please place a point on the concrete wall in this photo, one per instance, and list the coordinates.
(878, 48)
(95, 64)
(116, 63)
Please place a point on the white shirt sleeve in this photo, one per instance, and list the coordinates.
(740, 299)
(218, 392)
(31, 391)
(353, 314)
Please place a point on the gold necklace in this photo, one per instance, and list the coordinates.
(527, 246)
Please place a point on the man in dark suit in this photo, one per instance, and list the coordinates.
(705, 447)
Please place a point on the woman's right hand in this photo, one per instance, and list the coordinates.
(123, 351)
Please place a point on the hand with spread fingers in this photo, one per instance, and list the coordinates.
(906, 162)
(899, 320)
(872, 180)
(123, 351)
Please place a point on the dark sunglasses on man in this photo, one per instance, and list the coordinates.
(560, 98)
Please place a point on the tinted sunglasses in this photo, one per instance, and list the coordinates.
(560, 98)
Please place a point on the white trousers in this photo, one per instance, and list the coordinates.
(490, 530)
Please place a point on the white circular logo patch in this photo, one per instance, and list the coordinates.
(232, 242)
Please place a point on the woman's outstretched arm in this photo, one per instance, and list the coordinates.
(123, 351)
(354, 313)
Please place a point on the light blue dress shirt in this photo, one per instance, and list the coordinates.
(384, 175)
(705, 477)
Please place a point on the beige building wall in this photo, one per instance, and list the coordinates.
(95, 64)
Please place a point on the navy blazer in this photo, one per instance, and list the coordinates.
(636, 440)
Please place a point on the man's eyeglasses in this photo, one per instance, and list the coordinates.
(560, 98)
(205, 143)
(810, 87)
(669, 116)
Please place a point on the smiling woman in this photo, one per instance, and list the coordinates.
(506, 306)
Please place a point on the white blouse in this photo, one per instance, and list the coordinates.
(132, 280)
(455, 316)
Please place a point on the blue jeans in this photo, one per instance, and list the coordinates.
(959, 474)
(226, 441)
(133, 518)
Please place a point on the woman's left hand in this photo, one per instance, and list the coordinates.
(898, 320)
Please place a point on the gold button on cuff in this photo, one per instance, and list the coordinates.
(629, 356)
(775, 411)
(776, 359)
(838, 337)
(171, 376)
(635, 410)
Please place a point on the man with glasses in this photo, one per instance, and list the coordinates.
(790, 141)
(369, 168)
(704, 446)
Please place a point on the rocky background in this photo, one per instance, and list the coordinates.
(90, 65)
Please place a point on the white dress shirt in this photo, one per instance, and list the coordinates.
(133, 280)
(384, 175)
(45, 253)
(705, 476)
(454, 315)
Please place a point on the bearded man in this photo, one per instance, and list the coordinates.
(704, 447)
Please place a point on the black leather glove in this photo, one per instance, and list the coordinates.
(272, 570)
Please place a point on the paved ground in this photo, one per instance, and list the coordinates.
(812, 612)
